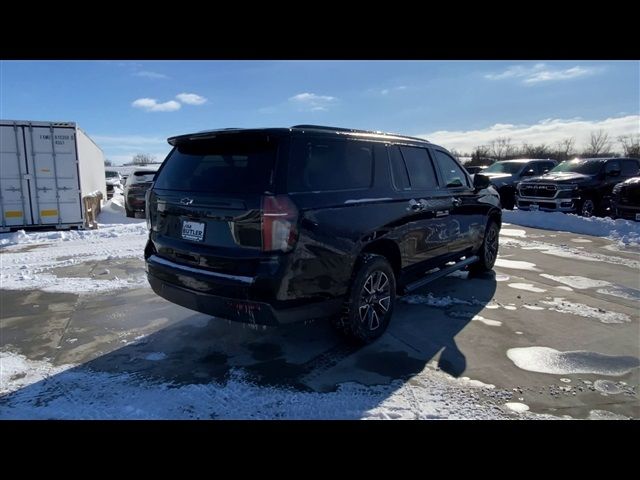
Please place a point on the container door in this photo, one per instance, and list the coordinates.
(14, 188)
(55, 187)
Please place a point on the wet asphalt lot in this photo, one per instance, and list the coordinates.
(467, 335)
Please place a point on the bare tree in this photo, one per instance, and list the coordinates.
(501, 148)
(108, 163)
(456, 153)
(630, 145)
(598, 143)
(535, 151)
(480, 156)
(142, 159)
(565, 148)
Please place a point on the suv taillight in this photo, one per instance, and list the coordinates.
(279, 223)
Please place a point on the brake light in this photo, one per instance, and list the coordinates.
(279, 223)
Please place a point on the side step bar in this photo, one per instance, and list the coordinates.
(439, 274)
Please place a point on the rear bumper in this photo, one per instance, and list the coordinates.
(136, 203)
(226, 296)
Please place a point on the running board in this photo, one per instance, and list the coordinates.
(439, 274)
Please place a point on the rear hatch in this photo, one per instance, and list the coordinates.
(206, 204)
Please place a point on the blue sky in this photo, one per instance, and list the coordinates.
(132, 106)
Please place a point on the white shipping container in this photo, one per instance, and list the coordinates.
(45, 170)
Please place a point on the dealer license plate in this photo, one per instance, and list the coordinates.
(193, 231)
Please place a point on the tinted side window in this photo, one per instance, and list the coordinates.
(421, 174)
(327, 165)
(630, 168)
(398, 170)
(453, 174)
(537, 168)
(612, 166)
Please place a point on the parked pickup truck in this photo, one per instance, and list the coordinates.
(625, 201)
(581, 186)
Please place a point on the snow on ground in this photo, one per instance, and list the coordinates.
(565, 251)
(79, 393)
(486, 321)
(517, 407)
(32, 268)
(575, 281)
(513, 232)
(516, 264)
(559, 304)
(527, 287)
(432, 301)
(549, 360)
(624, 231)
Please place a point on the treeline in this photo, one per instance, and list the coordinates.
(599, 145)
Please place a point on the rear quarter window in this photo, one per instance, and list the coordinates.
(324, 165)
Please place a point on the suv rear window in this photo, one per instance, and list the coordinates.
(237, 165)
(329, 165)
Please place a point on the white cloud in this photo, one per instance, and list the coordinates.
(541, 72)
(191, 99)
(547, 131)
(386, 91)
(149, 74)
(122, 148)
(152, 105)
(128, 142)
(312, 102)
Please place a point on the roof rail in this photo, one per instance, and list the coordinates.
(337, 129)
(354, 130)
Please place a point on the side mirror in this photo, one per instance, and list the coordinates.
(480, 181)
(613, 173)
(529, 173)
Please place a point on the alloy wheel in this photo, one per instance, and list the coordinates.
(375, 299)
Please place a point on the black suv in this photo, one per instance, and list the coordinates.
(506, 174)
(582, 186)
(271, 226)
(135, 191)
(625, 201)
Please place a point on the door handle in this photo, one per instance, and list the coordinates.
(415, 205)
(456, 202)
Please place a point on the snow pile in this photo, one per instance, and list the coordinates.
(88, 394)
(624, 231)
(113, 213)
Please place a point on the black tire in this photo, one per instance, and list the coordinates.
(128, 212)
(588, 207)
(488, 252)
(369, 305)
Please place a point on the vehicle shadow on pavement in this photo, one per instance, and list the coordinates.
(193, 349)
